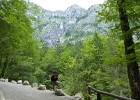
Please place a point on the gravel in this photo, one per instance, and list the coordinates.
(21, 92)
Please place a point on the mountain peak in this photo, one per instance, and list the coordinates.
(72, 25)
(75, 6)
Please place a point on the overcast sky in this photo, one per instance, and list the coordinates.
(63, 4)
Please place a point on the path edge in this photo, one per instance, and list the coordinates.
(1, 95)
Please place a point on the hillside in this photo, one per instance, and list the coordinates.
(72, 25)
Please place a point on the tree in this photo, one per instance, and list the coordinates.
(114, 66)
(18, 47)
(124, 11)
(132, 65)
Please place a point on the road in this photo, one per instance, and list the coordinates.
(11, 91)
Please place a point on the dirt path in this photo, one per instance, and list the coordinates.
(21, 92)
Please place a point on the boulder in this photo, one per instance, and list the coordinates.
(59, 92)
(41, 87)
(6, 80)
(13, 82)
(25, 83)
(79, 96)
(2, 79)
(19, 82)
(34, 85)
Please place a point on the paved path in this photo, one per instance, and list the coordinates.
(21, 92)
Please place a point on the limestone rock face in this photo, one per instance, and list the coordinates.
(57, 27)
(42, 87)
(25, 83)
(19, 82)
(79, 96)
(59, 92)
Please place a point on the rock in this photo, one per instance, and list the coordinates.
(79, 96)
(34, 85)
(42, 87)
(2, 79)
(13, 82)
(19, 82)
(70, 97)
(74, 19)
(59, 92)
(25, 83)
(6, 80)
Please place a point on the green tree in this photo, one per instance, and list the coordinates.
(123, 10)
(114, 66)
(18, 47)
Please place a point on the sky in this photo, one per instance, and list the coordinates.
(54, 5)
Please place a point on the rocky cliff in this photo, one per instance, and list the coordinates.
(72, 25)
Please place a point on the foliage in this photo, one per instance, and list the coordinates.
(120, 13)
(98, 60)
(18, 47)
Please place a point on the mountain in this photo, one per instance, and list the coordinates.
(72, 25)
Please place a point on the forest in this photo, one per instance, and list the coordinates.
(108, 62)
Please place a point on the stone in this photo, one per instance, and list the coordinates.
(79, 96)
(25, 83)
(19, 82)
(34, 85)
(2, 79)
(41, 87)
(59, 92)
(13, 82)
(70, 97)
(6, 80)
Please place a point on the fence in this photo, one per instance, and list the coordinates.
(100, 93)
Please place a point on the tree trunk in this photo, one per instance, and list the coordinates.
(0, 63)
(4, 67)
(132, 65)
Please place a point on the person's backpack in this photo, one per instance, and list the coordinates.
(54, 79)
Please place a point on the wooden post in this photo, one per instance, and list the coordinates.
(89, 92)
(99, 96)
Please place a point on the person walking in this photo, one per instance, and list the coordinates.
(54, 80)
